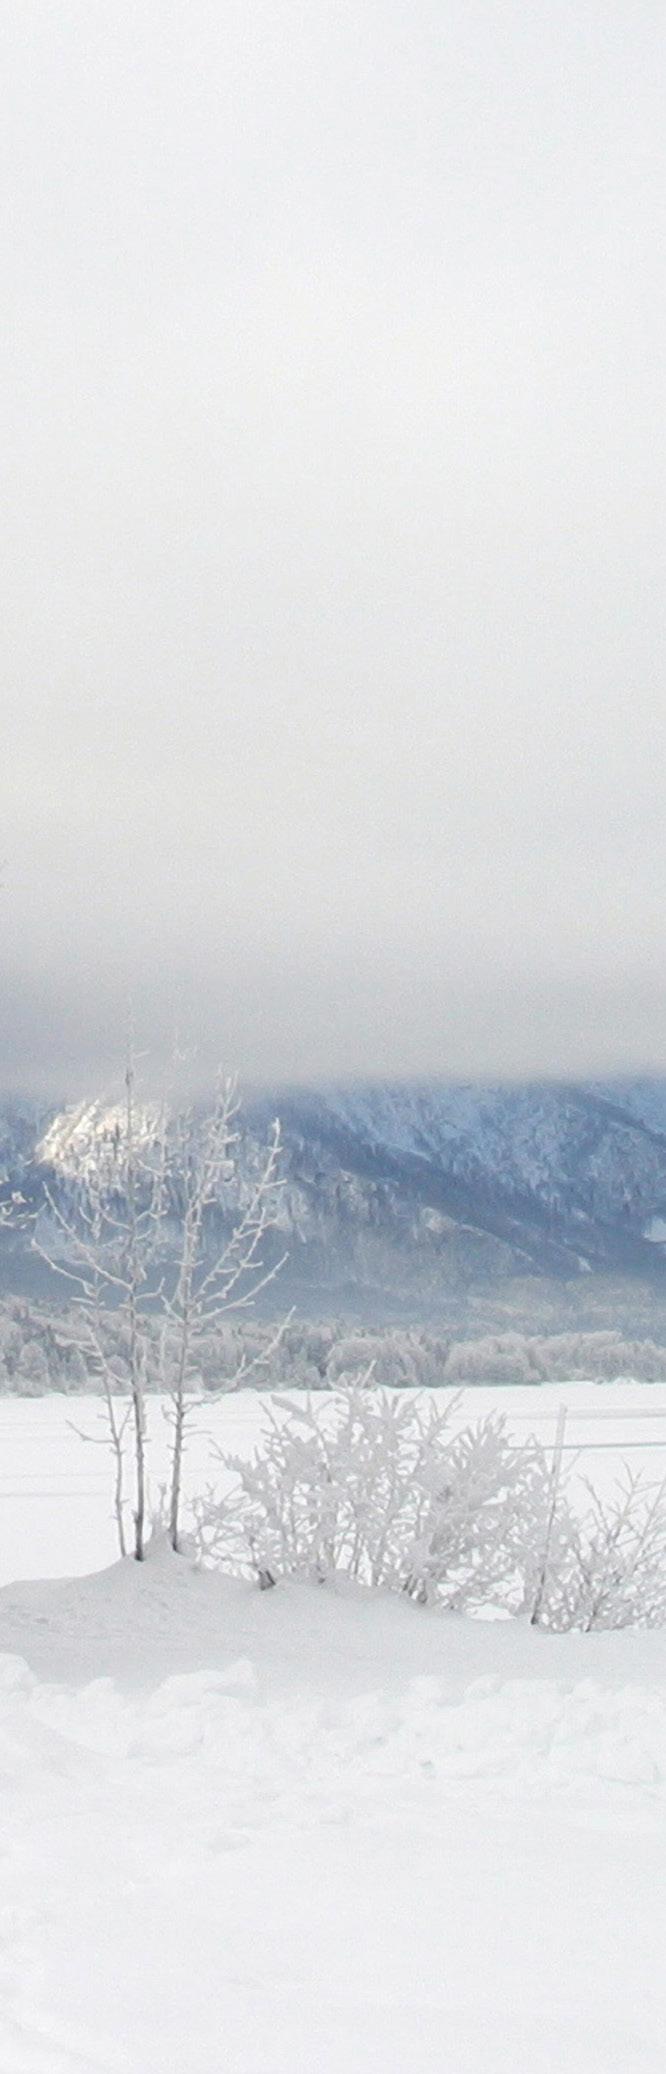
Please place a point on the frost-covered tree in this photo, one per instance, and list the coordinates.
(32, 1373)
(213, 1284)
(146, 1205)
(111, 1246)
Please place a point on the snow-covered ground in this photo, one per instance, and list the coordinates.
(314, 1831)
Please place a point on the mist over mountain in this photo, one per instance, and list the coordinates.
(405, 1199)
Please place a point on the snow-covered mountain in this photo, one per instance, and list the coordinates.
(412, 1190)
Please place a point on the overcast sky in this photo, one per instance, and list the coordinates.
(332, 420)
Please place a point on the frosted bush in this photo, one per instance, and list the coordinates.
(607, 1566)
(381, 1489)
(384, 1490)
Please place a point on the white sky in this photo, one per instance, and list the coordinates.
(332, 421)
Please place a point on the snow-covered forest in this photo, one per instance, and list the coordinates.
(42, 1348)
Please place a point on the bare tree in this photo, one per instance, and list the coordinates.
(116, 1422)
(214, 1280)
(146, 1169)
(112, 1244)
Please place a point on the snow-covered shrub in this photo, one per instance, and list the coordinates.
(381, 1489)
(607, 1565)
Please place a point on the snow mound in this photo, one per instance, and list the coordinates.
(528, 1731)
(310, 1829)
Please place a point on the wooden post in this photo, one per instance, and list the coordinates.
(553, 1487)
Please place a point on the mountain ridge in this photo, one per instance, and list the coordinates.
(409, 1190)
